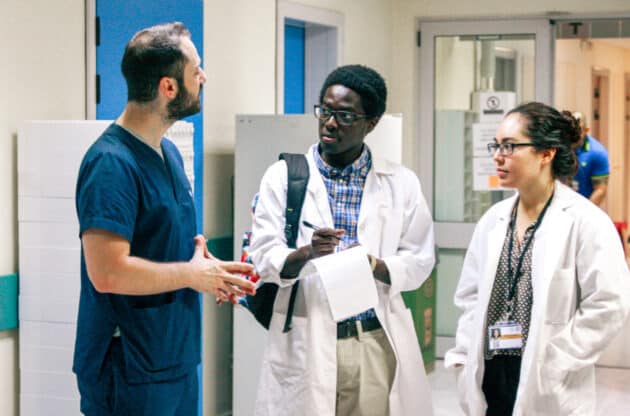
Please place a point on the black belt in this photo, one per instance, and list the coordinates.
(347, 329)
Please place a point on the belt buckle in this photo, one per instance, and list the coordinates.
(345, 329)
(359, 327)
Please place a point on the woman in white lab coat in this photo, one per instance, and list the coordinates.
(544, 285)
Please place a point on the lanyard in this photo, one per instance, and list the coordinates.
(514, 275)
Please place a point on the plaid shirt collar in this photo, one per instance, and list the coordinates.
(359, 168)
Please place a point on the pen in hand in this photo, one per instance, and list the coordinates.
(309, 225)
(337, 233)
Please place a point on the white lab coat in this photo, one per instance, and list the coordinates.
(299, 371)
(581, 288)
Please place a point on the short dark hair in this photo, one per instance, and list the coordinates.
(151, 54)
(548, 128)
(365, 81)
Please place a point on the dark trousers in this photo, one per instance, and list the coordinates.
(113, 396)
(500, 382)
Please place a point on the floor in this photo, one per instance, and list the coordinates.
(613, 391)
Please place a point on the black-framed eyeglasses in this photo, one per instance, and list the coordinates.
(344, 118)
(505, 148)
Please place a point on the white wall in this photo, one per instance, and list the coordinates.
(367, 28)
(574, 63)
(41, 77)
(239, 60)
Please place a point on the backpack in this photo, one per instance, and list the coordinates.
(261, 304)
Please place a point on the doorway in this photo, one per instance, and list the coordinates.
(592, 63)
(309, 46)
(471, 74)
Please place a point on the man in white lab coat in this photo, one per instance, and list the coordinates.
(369, 364)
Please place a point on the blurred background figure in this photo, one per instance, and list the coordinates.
(591, 179)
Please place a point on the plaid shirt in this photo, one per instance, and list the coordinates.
(345, 190)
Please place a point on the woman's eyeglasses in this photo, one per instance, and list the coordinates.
(505, 148)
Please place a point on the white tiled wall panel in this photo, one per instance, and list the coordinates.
(49, 157)
(51, 384)
(51, 284)
(48, 359)
(40, 405)
(48, 308)
(51, 334)
(43, 209)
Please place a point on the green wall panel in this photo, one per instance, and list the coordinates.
(422, 305)
(8, 302)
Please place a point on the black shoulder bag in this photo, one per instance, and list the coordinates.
(261, 304)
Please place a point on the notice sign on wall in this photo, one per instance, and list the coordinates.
(483, 133)
(492, 106)
(485, 175)
(484, 170)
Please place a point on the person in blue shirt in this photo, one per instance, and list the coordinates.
(142, 264)
(591, 178)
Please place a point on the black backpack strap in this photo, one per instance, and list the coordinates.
(297, 180)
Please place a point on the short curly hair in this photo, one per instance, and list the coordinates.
(365, 81)
(550, 129)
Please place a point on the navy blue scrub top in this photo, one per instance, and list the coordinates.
(125, 187)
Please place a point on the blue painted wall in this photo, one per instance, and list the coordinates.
(294, 68)
(119, 21)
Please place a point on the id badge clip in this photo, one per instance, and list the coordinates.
(506, 335)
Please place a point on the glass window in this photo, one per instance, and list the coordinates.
(477, 80)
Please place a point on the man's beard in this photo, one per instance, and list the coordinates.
(184, 104)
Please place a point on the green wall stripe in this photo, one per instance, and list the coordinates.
(221, 247)
(8, 302)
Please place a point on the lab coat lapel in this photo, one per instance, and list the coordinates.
(496, 238)
(317, 191)
(374, 205)
(550, 242)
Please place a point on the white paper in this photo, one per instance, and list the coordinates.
(348, 282)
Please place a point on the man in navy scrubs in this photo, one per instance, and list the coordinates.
(142, 266)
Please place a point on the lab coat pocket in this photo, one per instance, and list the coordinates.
(561, 297)
(391, 229)
(286, 353)
(566, 392)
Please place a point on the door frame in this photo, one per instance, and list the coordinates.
(458, 234)
(315, 19)
(90, 59)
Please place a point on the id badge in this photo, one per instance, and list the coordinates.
(505, 336)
